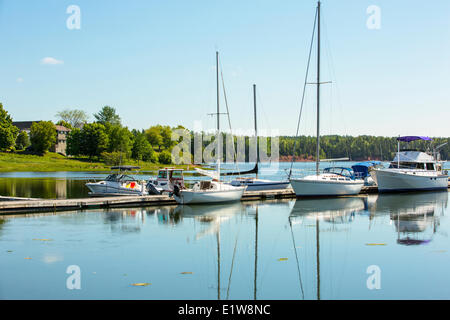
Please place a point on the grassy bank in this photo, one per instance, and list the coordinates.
(56, 162)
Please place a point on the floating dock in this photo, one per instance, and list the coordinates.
(13, 205)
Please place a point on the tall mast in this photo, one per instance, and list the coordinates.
(219, 153)
(256, 253)
(256, 126)
(318, 90)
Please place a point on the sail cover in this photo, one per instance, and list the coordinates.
(254, 170)
(413, 138)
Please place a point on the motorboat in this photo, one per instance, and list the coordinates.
(412, 170)
(330, 182)
(166, 179)
(254, 183)
(207, 191)
(118, 183)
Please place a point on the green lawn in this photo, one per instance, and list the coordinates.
(56, 162)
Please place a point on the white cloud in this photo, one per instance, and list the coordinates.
(19, 80)
(51, 61)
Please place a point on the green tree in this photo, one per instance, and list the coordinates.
(165, 157)
(76, 118)
(94, 140)
(74, 142)
(119, 139)
(42, 136)
(142, 150)
(22, 141)
(8, 132)
(108, 115)
(154, 136)
(161, 137)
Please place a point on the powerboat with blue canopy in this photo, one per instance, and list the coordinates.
(412, 170)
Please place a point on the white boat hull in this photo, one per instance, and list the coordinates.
(315, 187)
(99, 188)
(391, 180)
(206, 196)
(256, 185)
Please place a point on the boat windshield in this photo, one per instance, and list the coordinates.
(119, 177)
(125, 178)
(346, 172)
(162, 174)
(409, 165)
(112, 177)
(177, 174)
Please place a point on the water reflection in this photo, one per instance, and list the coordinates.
(416, 216)
(46, 188)
(329, 210)
(277, 249)
(336, 211)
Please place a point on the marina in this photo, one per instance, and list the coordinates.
(137, 165)
(10, 205)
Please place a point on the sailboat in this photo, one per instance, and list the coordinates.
(253, 183)
(330, 182)
(210, 191)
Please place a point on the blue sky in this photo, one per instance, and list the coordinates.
(154, 62)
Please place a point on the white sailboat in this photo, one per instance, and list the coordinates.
(253, 183)
(412, 170)
(213, 191)
(326, 183)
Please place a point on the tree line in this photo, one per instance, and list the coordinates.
(106, 139)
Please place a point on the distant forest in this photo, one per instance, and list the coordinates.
(356, 148)
(335, 146)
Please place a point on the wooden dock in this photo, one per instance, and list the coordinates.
(13, 205)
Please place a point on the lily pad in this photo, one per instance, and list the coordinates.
(141, 284)
(376, 244)
(27, 258)
(187, 273)
(283, 259)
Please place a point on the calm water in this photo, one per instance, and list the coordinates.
(65, 185)
(296, 249)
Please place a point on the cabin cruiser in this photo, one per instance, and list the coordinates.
(118, 183)
(166, 180)
(412, 170)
